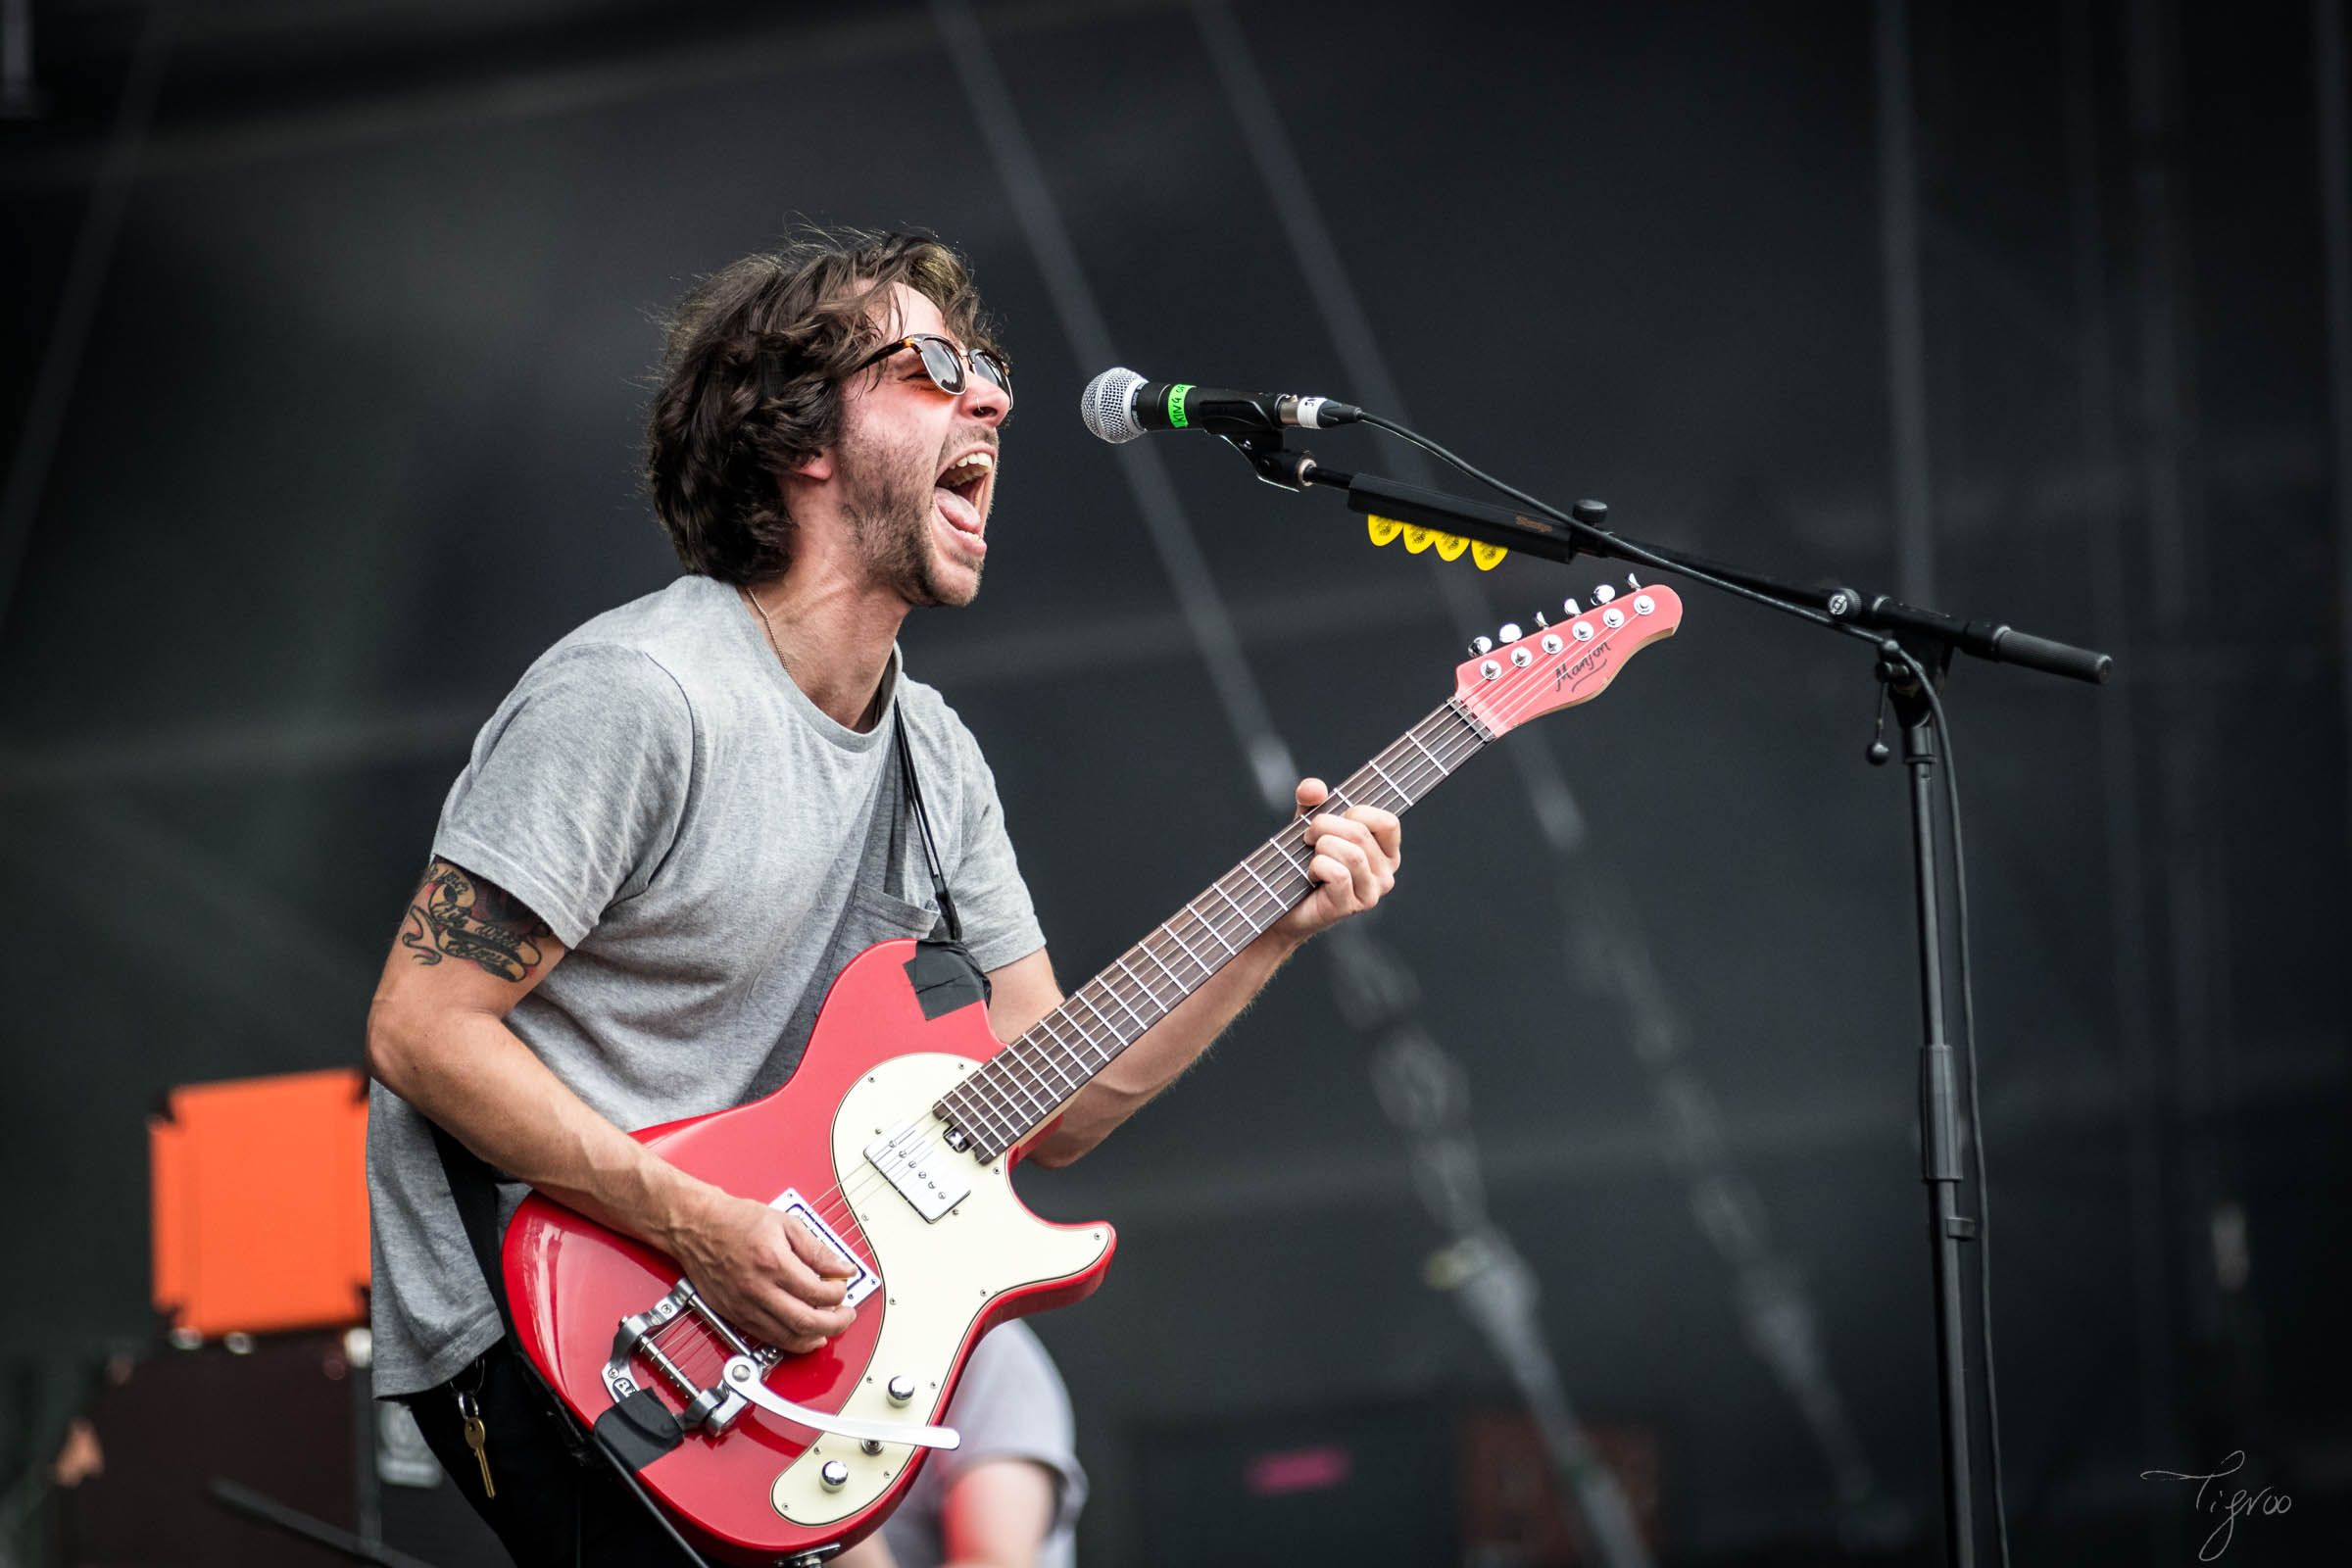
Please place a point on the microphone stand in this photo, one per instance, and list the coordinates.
(1915, 648)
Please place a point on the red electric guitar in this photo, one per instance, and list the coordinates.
(894, 1140)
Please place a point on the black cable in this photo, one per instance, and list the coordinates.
(1630, 551)
(1976, 1110)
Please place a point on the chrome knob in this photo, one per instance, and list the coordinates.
(1490, 670)
(1602, 593)
(1552, 644)
(1644, 604)
(1509, 632)
(1482, 645)
(835, 1475)
(901, 1389)
(1613, 618)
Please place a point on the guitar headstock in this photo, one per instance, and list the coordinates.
(1566, 663)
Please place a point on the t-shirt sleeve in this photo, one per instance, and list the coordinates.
(1000, 923)
(1011, 1404)
(576, 786)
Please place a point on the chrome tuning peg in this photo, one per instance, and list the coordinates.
(1509, 632)
(1539, 620)
(1572, 607)
(1631, 581)
(1602, 593)
(1482, 645)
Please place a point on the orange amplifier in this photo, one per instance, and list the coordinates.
(260, 1194)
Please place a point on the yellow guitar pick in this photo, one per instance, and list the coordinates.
(1485, 554)
(1417, 539)
(1449, 546)
(1382, 529)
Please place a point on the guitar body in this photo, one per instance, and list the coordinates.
(754, 1492)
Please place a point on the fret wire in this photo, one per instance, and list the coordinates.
(1248, 917)
(1007, 1080)
(1229, 947)
(1259, 880)
(1012, 1070)
(1274, 848)
(1150, 993)
(1250, 913)
(1058, 1083)
(1113, 991)
(1218, 887)
(1144, 948)
(1152, 1005)
(1080, 994)
(1427, 767)
(1080, 1051)
(1406, 792)
(1170, 929)
(1046, 1057)
(990, 1122)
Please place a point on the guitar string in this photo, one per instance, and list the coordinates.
(1035, 1084)
(1033, 1057)
(1420, 774)
(1033, 1076)
(1002, 1118)
(997, 1081)
(1512, 707)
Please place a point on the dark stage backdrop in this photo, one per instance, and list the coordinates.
(354, 437)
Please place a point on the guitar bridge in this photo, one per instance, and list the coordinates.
(715, 1409)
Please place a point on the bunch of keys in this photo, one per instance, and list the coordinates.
(477, 1437)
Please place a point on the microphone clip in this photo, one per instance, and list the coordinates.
(1274, 462)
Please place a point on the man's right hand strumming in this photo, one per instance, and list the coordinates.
(437, 1037)
(769, 1275)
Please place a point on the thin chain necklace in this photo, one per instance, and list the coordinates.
(873, 706)
(761, 610)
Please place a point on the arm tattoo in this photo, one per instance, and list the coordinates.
(457, 915)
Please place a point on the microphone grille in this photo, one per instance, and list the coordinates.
(1108, 405)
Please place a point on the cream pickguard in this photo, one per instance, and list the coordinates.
(938, 1277)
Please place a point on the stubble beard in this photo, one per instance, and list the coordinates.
(889, 505)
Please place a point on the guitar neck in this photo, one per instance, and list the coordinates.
(1024, 1085)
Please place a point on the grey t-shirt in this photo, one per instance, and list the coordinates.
(1009, 1405)
(705, 841)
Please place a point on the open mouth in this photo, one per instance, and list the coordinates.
(960, 490)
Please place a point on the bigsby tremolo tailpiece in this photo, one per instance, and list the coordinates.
(742, 1378)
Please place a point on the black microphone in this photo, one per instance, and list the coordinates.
(1119, 405)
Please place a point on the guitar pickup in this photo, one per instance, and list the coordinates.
(924, 1170)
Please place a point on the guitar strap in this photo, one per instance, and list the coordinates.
(640, 1429)
(922, 825)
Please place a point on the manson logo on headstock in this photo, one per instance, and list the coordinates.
(1567, 677)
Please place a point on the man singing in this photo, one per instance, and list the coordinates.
(687, 818)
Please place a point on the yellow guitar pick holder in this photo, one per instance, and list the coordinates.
(1449, 546)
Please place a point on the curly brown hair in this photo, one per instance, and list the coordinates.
(750, 382)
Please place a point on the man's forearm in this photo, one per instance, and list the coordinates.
(489, 1091)
(1161, 1053)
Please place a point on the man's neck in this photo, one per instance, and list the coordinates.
(834, 637)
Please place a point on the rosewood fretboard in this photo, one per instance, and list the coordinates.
(1023, 1085)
